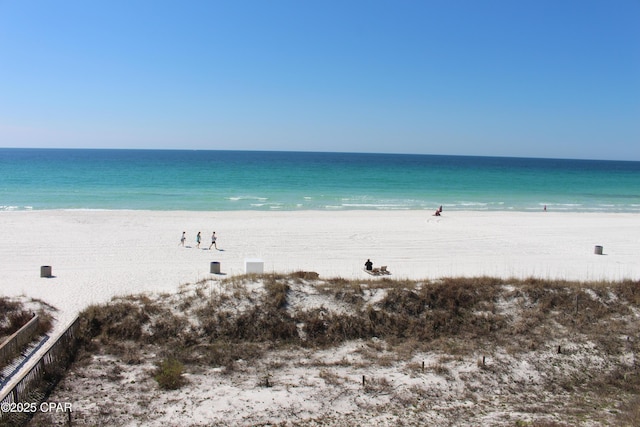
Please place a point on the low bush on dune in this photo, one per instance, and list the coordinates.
(13, 316)
(169, 374)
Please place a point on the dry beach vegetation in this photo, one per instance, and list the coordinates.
(300, 350)
(14, 314)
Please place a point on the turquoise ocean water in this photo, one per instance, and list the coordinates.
(244, 180)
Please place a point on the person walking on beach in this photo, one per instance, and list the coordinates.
(198, 238)
(183, 238)
(213, 241)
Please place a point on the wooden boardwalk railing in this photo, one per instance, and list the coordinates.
(35, 384)
(23, 336)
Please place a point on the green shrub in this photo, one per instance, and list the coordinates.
(169, 374)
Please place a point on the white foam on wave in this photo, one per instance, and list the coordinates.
(16, 208)
(471, 204)
(239, 198)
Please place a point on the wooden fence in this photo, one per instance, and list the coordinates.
(23, 336)
(35, 385)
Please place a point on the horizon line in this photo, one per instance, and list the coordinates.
(317, 152)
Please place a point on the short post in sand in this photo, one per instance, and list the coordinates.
(215, 267)
(45, 271)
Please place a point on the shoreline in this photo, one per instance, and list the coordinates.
(98, 254)
(446, 209)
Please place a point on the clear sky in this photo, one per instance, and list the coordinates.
(532, 78)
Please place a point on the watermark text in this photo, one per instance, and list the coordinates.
(32, 407)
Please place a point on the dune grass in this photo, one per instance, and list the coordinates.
(13, 316)
(218, 323)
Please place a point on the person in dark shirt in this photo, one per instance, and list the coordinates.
(368, 265)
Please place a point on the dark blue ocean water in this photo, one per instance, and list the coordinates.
(246, 180)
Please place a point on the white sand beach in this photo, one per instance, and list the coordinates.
(95, 255)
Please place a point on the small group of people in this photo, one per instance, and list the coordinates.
(214, 238)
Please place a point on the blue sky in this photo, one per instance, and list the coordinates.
(530, 78)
